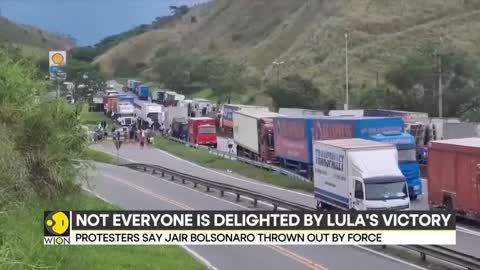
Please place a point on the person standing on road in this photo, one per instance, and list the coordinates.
(162, 129)
(142, 138)
(131, 133)
(230, 145)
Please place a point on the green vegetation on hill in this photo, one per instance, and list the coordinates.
(309, 38)
(33, 37)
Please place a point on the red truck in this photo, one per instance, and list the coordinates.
(110, 103)
(454, 176)
(202, 131)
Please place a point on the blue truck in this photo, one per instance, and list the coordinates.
(136, 87)
(125, 98)
(294, 137)
(143, 92)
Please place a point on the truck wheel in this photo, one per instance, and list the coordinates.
(448, 203)
(215, 146)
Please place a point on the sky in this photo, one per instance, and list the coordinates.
(88, 21)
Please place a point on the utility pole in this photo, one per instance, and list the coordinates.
(440, 86)
(346, 72)
(58, 87)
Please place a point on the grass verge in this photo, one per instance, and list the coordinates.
(98, 156)
(93, 118)
(202, 157)
(21, 243)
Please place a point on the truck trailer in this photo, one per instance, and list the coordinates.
(148, 114)
(180, 128)
(299, 112)
(454, 176)
(229, 109)
(131, 84)
(253, 135)
(358, 174)
(202, 131)
(109, 104)
(200, 107)
(143, 92)
(173, 112)
(126, 98)
(294, 138)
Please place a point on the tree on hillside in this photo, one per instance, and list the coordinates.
(415, 84)
(175, 68)
(86, 74)
(225, 78)
(294, 91)
(86, 54)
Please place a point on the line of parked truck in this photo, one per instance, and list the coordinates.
(357, 159)
(365, 159)
(162, 109)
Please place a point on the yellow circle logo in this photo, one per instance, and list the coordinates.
(58, 59)
(57, 223)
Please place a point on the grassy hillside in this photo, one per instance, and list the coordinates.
(33, 37)
(309, 35)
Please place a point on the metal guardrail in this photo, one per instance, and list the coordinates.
(221, 187)
(447, 255)
(231, 156)
(441, 253)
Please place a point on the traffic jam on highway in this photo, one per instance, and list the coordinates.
(357, 159)
(426, 163)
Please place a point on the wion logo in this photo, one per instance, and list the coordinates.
(56, 228)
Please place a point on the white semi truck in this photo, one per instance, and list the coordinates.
(358, 174)
(124, 113)
(173, 112)
(148, 114)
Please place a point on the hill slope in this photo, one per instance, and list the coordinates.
(309, 35)
(30, 36)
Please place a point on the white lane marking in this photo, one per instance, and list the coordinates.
(360, 247)
(244, 207)
(181, 185)
(194, 254)
(199, 258)
(195, 190)
(290, 254)
(97, 195)
(468, 231)
(208, 169)
(391, 257)
(236, 178)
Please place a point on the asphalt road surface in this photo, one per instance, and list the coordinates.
(133, 190)
(468, 239)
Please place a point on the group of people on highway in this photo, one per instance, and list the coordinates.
(134, 134)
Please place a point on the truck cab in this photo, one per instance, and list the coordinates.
(358, 174)
(407, 159)
(202, 131)
(125, 113)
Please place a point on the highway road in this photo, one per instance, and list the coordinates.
(468, 238)
(133, 190)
